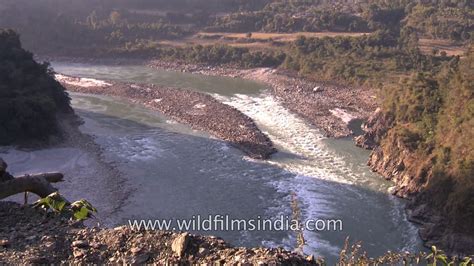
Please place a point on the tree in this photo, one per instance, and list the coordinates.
(30, 97)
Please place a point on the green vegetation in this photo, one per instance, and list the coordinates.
(67, 26)
(78, 210)
(443, 19)
(447, 20)
(210, 54)
(280, 17)
(354, 59)
(434, 118)
(28, 93)
(46, 28)
(353, 255)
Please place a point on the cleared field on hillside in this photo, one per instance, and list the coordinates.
(259, 40)
(427, 46)
(263, 40)
(283, 37)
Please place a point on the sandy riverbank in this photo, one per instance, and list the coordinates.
(328, 106)
(199, 110)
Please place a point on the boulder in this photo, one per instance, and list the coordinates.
(80, 244)
(180, 244)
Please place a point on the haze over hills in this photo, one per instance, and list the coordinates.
(55, 25)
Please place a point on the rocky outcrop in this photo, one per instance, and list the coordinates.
(395, 159)
(375, 129)
(30, 236)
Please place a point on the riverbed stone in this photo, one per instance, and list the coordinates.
(4, 242)
(80, 244)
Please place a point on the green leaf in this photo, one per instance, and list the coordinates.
(82, 214)
(44, 202)
(58, 205)
(466, 261)
(443, 259)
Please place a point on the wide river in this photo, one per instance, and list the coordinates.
(165, 170)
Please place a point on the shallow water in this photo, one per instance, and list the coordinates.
(172, 171)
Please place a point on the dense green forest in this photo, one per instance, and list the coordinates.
(30, 97)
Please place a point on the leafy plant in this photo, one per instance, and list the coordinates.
(82, 209)
(54, 202)
(352, 255)
(437, 255)
(78, 210)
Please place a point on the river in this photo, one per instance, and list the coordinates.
(166, 170)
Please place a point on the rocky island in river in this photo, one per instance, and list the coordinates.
(199, 110)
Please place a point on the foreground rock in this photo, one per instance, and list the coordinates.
(329, 106)
(199, 110)
(29, 236)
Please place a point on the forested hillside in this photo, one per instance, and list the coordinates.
(91, 25)
(422, 140)
(435, 19)
(30, 97)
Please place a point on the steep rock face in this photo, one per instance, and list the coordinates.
(395, 160)
(412, 175)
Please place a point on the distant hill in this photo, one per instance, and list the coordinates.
(55, 26)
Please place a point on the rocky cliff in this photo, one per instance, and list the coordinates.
(392, 157)
(422, 140)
